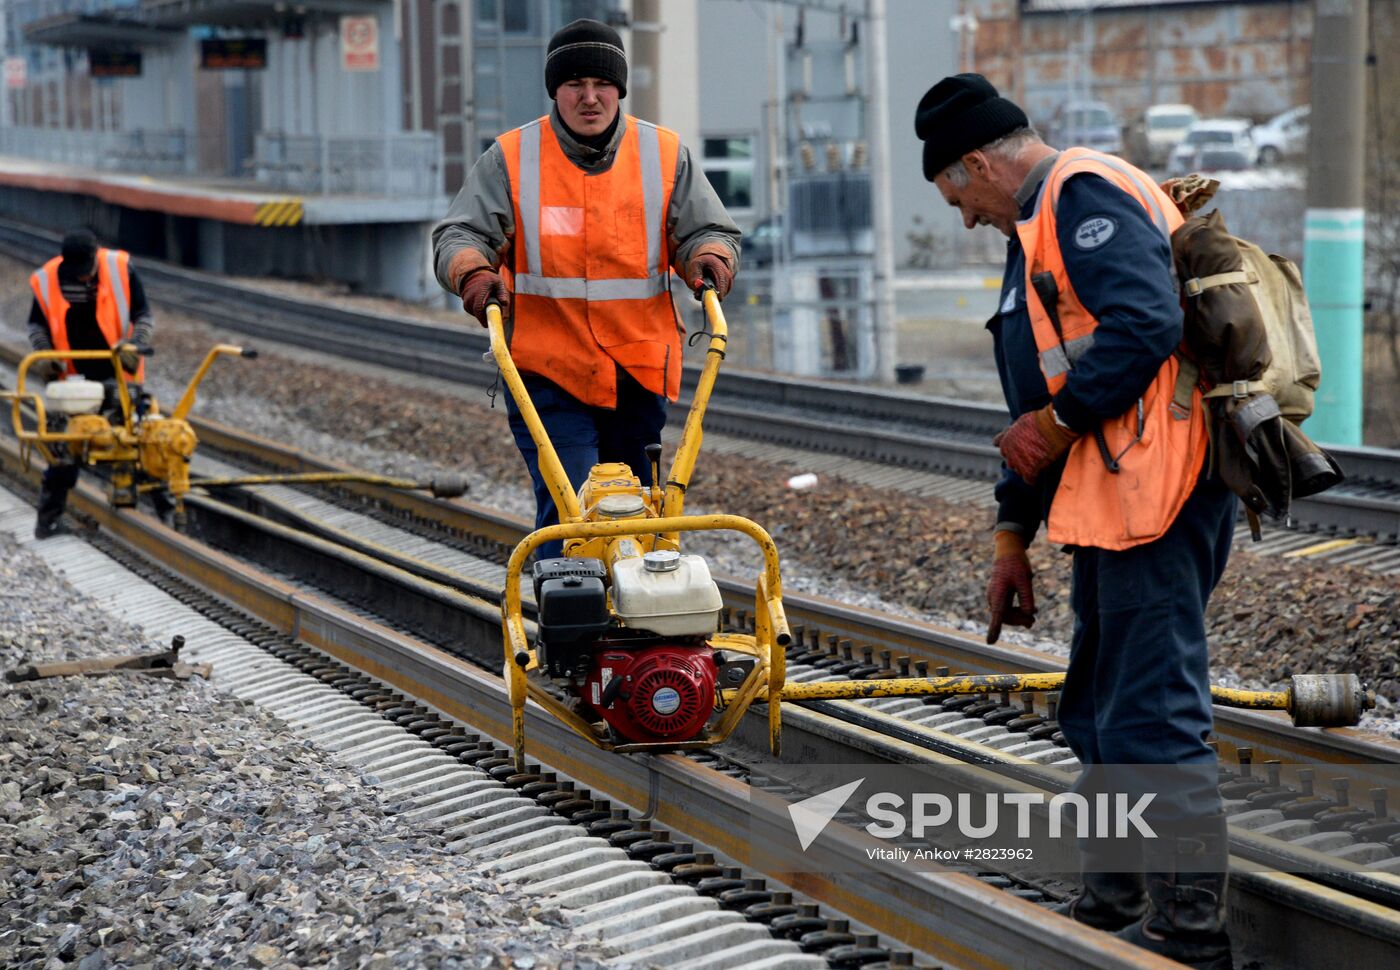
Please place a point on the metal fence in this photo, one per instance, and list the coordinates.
(396, 165)
(142, 150)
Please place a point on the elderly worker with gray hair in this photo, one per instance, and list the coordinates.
(1109, 455)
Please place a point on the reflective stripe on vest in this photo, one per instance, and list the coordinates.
(1060, 358)
(45, 298)
(534, 282)
(119, 291)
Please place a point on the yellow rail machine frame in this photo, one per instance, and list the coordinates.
(152, 451)
(1324, 700)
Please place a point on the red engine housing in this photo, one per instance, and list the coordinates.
(656, 693)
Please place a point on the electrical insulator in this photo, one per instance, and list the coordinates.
(809, 157)
(833, 157)
(858, 155)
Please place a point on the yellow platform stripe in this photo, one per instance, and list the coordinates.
(285, 212)
(1320, 548)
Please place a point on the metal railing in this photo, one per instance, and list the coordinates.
(143, 150)
(397, 165)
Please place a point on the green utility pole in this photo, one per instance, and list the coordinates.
(1334, 233)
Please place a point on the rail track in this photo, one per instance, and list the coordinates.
(416, 578)
(915, 433)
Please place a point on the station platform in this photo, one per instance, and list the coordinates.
(374, 244)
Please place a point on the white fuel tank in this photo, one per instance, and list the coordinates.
(73, 395)
(667, 594)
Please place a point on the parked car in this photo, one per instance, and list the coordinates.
(1161, 128)
(1282, 136)
(1216, 134)
(1091, 124)
(761, 246)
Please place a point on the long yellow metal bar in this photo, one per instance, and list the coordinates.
(564, 492)
(1262, 700)
(683, 465)
(187, 399)
(312, 478)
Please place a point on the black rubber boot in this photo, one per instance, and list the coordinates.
(1187, 919)
(1109, 901)
(57, 482)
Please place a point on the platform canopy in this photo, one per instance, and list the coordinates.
(96, 31)
(245, 13)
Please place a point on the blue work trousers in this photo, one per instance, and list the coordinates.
(584, 435)
(1137, 691)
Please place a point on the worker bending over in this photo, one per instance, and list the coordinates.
(1109, 453)
(86, 298)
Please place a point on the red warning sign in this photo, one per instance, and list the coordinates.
(359, 43)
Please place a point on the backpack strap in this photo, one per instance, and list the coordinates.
(1238, 389)
(1188, 374)
(1197, 284)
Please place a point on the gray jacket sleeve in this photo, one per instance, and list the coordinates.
(39, 337)
(697, 216)
(481, 216)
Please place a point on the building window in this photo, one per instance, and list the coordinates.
(728, 164)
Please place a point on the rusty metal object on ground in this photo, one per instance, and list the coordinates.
(166, 663)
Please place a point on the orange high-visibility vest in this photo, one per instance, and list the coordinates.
(591, 269)
(113, 302)
(1159, 446)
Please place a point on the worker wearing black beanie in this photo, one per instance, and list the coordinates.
(585, 48)
(960, 114)
(1085, 342)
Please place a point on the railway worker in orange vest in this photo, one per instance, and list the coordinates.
(573, 223)
(86, 298)
(1110, 455)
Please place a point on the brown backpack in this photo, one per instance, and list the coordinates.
(1249, 340)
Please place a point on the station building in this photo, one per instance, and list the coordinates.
(318, 139)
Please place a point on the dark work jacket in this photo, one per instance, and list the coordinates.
(1127, 280)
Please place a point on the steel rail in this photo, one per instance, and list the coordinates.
(335, 559)
(951, 916)
(921, 910)
(1270, 735)
(876, 424)
(1334, 919)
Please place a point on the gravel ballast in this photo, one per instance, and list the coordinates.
(161, 823)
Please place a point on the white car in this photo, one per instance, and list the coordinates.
(1165, 125)
(1217, 135)
(1282, 136)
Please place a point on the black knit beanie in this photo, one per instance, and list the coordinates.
(79, 248)
(960, 114)
(585, 48)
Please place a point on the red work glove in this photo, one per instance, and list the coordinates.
(1010, 581)
(482, 286)
(1033, 442)
(705, 266)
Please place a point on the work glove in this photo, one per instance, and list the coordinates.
(48, 370)
(709, 267)
(481, 287)
(128, 358)
(1033, 442)
(1010, 582)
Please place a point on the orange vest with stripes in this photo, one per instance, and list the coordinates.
(113, 302)
(1159, 447)
(591, 264)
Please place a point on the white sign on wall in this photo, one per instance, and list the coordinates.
(16, 72)
(359, 43)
